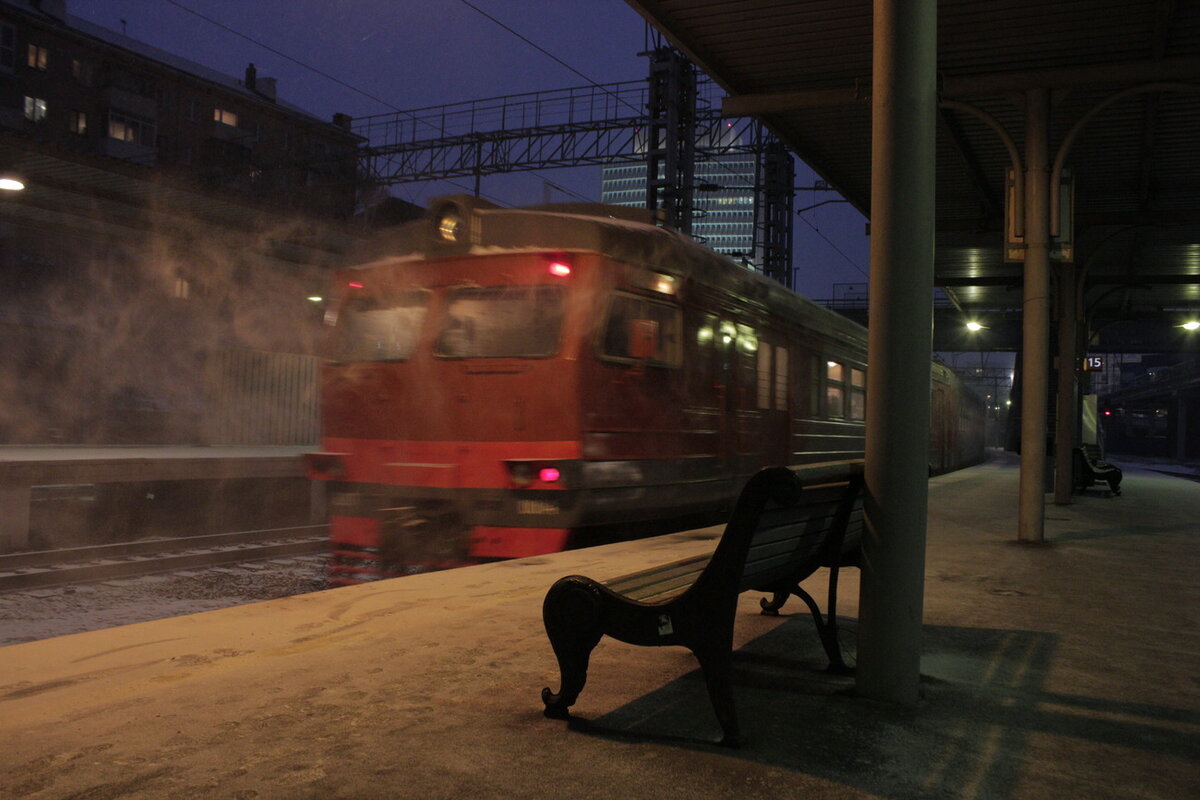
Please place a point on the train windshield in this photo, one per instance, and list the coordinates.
(501, 322)
(380, 328)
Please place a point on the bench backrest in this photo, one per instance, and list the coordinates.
(791, 543)
(787, 523)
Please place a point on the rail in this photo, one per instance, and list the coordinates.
(43, 568)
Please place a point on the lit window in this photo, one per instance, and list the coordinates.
(78, 122)
(127, 127)
(37, 57)
(225, 117)
(82, 71)
(835, 390)
(35, 109)
(747, 339)
(858, 394)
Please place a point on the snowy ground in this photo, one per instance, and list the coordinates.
(26, 616)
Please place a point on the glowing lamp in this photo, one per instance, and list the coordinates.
(549, 474)
(1191, 325)
(10, 182)
(559, 269)
(354, 285)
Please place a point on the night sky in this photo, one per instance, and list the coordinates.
(365, 57)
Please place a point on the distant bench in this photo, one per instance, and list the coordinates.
(787, 523)
(1089, 469)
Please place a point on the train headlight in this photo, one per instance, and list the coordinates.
(450, 225)
(521, 473)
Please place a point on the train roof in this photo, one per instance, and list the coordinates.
(461, 225)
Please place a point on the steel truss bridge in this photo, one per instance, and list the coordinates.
(664, 122)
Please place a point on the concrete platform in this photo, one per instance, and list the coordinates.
(1069, 670)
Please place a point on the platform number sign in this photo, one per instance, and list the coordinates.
(1093, 363)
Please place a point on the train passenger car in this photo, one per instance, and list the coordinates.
(511, 382)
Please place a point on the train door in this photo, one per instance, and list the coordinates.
(725, 384)
(771, 396)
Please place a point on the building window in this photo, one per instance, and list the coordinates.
(8, 46)
(78, 122)
(82, 71)
(128, 127)
(225, 117)
(38, 57)
(35, 109)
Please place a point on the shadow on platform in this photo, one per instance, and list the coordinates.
(984, 697)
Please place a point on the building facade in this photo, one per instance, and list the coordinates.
(723, 217)
(83, 88)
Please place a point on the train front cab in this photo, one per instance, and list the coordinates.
(451, 432)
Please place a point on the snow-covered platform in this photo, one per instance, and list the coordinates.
(1054, 671)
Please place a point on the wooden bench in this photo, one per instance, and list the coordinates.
(787, 523)
(1089, 468)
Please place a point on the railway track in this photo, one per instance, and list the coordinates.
(129, 559)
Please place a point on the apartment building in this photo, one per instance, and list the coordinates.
(79, 87)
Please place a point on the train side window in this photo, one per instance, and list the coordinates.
(640, 329)
(747, 340)
(781, 378)
(835, 390)
(707, 331)
(764, 377)
(858, 394)
(383, 328)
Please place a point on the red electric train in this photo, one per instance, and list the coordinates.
(511, 382)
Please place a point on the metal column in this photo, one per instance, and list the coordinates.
(671, 138)
(1066, 433)
(773, 205)
(904, 108)
(1035, 336)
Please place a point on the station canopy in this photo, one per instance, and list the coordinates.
(1124, 84)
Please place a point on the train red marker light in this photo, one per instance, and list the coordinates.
(559, 269)
(549, 475)
(354, 285)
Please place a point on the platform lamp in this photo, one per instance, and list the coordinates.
(1191, 325)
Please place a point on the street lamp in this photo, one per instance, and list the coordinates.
(10, 181)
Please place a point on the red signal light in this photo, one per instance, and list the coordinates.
(559, 269)
(549, 474)
(354, 285)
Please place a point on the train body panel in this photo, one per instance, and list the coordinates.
(505, 383)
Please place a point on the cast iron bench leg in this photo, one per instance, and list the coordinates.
(571, 613)
(716, 662)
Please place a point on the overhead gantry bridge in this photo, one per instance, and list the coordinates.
(667, 123)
